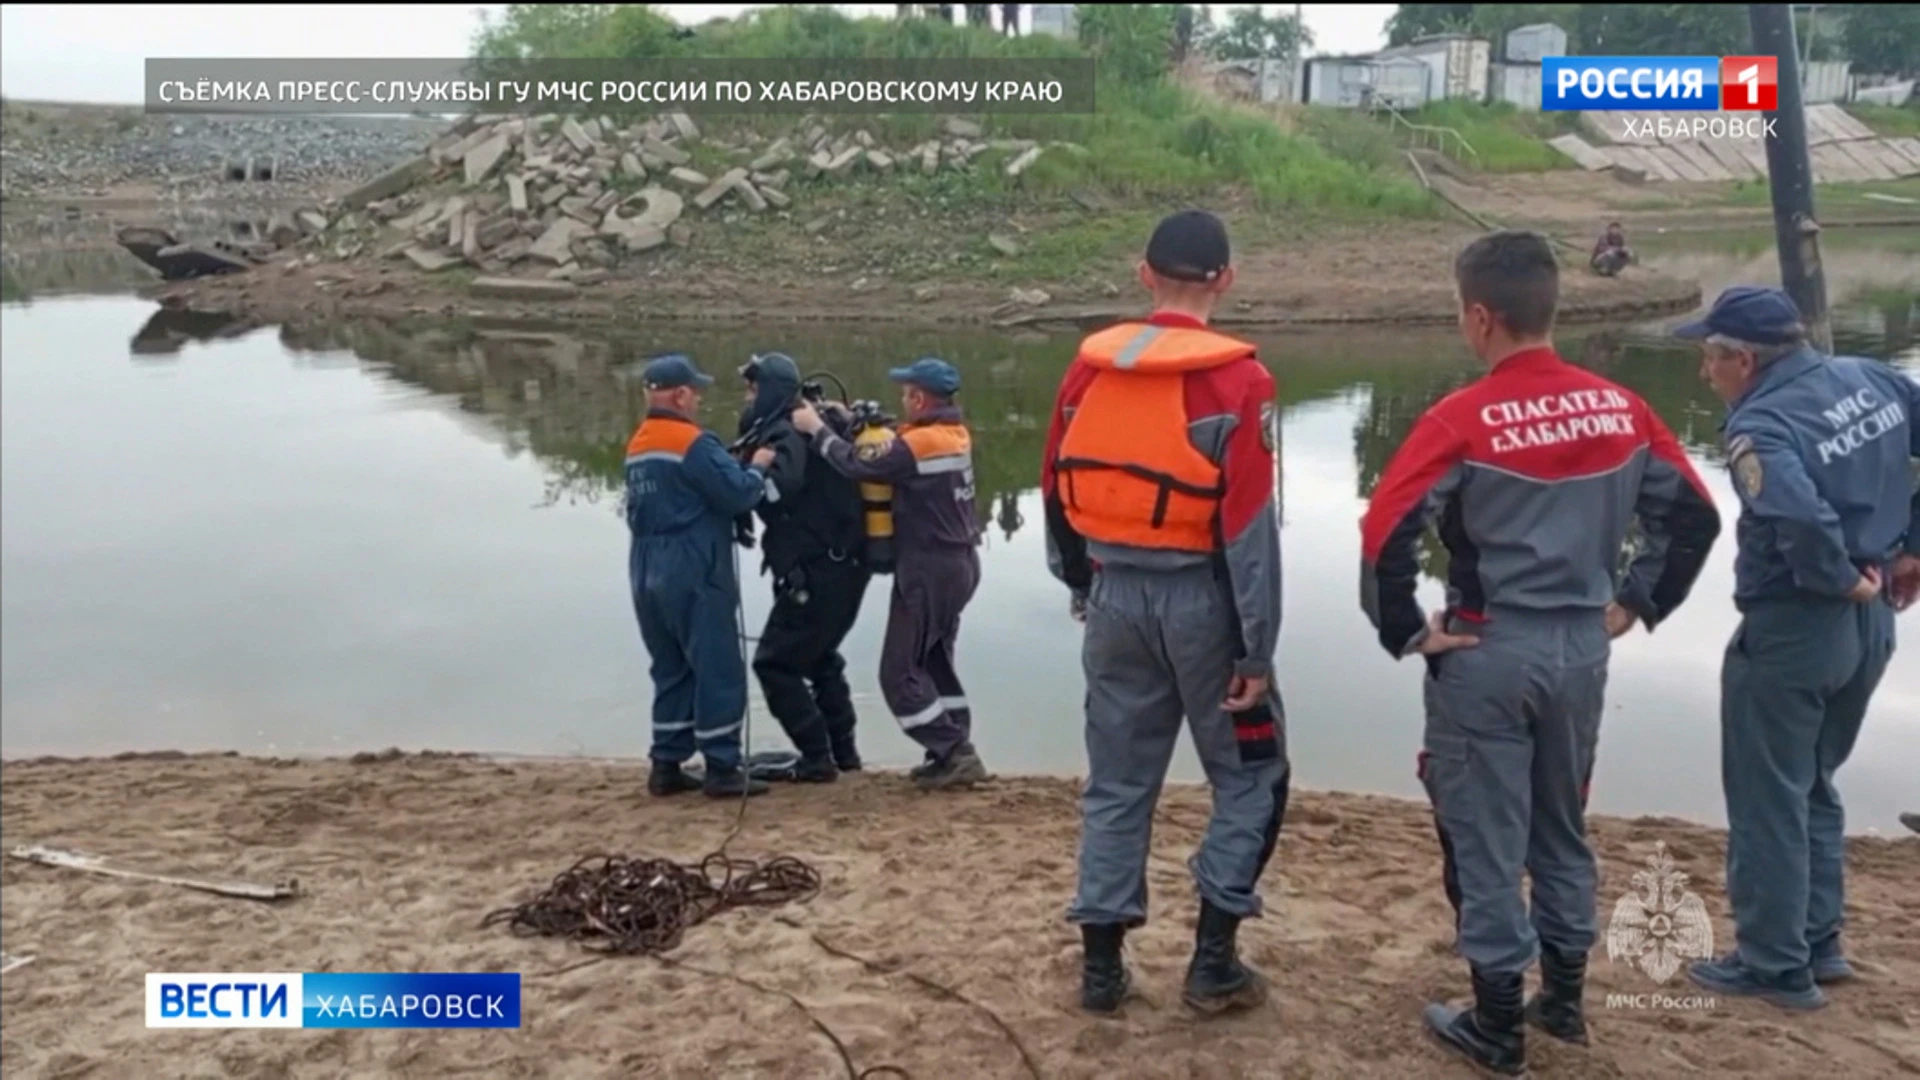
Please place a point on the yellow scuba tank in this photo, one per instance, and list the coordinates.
(872, 441)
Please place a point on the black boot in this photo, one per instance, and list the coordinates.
(668, 778)
(816, 769)
(1492, 1034)
(732, 783)
(846, 756)
(1103, 974)
(1216, 979)
(1556, 1008)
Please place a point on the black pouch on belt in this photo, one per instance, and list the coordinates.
(1254, 734)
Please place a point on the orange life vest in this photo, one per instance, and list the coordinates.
(1128, 473)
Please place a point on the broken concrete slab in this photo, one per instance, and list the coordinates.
(1023, 162)
(682, 123)
(930, 158)
(1028, 297)
(1004, 244)
(818, 223)
(579, 207)
(576, 136)
(962, 129)
(667, 153)
(282, 231)
(554, 244)
(312, 222)
(496, 231)
(512, 251)
(880, 160)
(563, 273)
(776, 197)
(591, 128)
(605, 201)
(689, 178)
(752, 197)
(844, 161)
(778, 154)
(470, 237)
(517, 193)
(456, 227)
(594, 250)
(432, 261)
(522, 288)
(392, 182)
(553, 193)
(481, 160)
(592, 275)
(718, 190)
(818, 163)
(630, 166)
(864, 139)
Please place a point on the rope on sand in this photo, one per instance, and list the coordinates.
(627, 906)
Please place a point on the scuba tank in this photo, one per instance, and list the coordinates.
(871, 438)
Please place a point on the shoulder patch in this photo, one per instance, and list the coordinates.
(1269, 425)
(1746, 469)
(1738, 445)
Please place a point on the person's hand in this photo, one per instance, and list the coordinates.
(805, 420)
(837, 408)
(1244, 693)
(762, 458)
(1867, 589)
(1077, 607)
(1906, 581)
(1619, 620)
(1439, 641)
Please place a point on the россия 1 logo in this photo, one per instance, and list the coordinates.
(1660, 83)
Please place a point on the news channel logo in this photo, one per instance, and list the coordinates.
(1660, 83)
(332, 1000)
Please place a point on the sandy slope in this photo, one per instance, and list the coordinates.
(402, 857)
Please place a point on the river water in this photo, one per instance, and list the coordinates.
(358, 535)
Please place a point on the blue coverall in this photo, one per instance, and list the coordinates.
(683, 493)
(1820, 451)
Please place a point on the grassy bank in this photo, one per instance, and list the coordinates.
(1150, 142)
(1887, 120)
(1504, 139)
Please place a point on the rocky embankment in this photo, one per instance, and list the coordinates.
(56, 151)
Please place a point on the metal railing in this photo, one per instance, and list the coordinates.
(1427, 136)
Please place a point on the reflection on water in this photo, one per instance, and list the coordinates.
(353, 535)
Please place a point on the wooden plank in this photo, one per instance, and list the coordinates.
(1907, 147)
(1704, 163)
(94, 864)
(1729, 158)
(1675, 165)
(1844, 122)
(1576, 149)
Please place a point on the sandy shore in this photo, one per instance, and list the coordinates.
(1393, 275)
(402, 856)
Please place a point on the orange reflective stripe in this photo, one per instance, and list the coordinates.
(1129, 473)
(937, 440)
(1145, 348)
(666, 435)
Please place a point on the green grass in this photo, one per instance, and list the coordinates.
(1504, 139)
(1830, 197)
(1888, 120)
(1148, 142)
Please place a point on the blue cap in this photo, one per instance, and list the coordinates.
(929, 373)
(1750, 313)
(675, 370)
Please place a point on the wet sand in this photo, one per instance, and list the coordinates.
(959, 894)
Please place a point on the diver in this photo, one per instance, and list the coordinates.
(814, 546)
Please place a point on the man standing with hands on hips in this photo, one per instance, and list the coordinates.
(1160, 482)
(1821, 451)
(1533, 473)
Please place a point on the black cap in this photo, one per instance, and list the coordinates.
(1189, 246)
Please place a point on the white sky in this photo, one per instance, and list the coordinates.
(95, 52)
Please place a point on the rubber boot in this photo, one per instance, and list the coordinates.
(816, 770)
(733, 783)
(1104, 981)
(1217, 981)
(1556, 1008)
(669, 778)
(1493, 1033)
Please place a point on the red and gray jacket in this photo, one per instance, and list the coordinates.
(1534, 474)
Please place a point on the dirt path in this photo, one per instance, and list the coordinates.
(402, 856)
(1398, 274)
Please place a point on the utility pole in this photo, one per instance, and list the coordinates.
(1796, 231)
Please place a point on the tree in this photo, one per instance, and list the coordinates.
(1664, 29)
(1410, 21)
(1249, 35)
(1883, 39)
(543, 30)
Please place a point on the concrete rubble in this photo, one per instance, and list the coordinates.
(554, 203)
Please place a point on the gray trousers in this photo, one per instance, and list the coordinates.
(1161, 646)
(930, 590)
(1793, 692)
(1512, 725)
